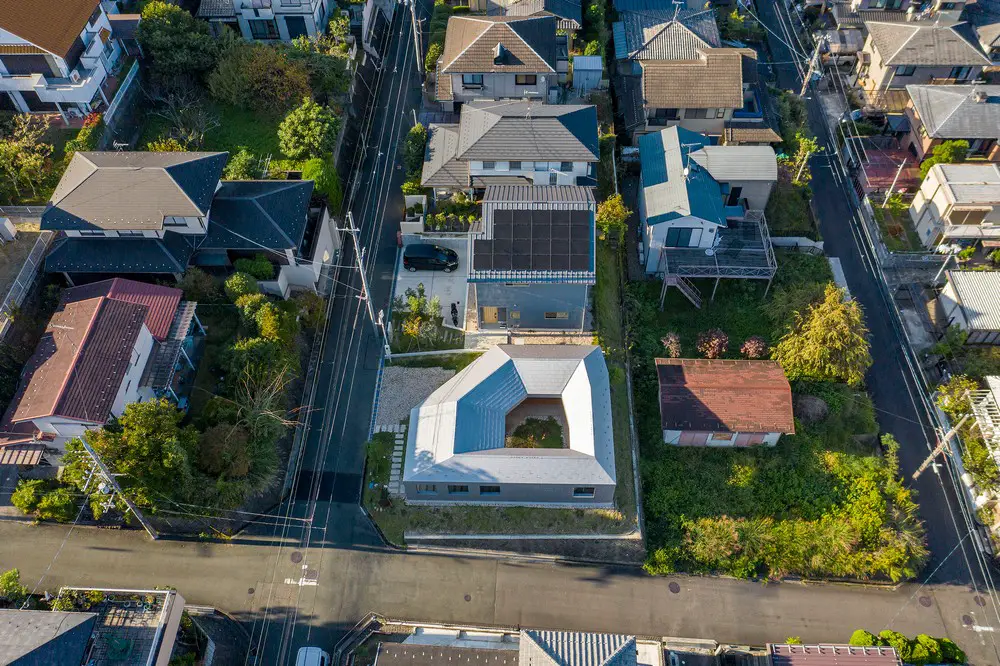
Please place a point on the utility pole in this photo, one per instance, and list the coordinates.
(416, 35)
(109, 478)
(894, 180)
(813, 62)
(940, 448)
(359, 256)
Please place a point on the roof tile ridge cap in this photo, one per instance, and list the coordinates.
(525, 42)
(94, 169)
(914, 30)
(166, 170)
(489, 26)
(170, 255)
(273, 223)
(961, 102)
(78, 352)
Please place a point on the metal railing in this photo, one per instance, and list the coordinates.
(987, 413)
(25, 278)
(117, 101)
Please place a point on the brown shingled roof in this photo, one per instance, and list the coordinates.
(724, 395)
(52, 25)
(78, 366)
(714, 80)
(471, 44)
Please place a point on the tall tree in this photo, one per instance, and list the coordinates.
(24, 157)
(612, 215)
(176, 41)
(827, 343)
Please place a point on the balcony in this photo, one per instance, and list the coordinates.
(970, 231)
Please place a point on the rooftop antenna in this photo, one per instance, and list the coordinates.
(687, 157)
(677, 8)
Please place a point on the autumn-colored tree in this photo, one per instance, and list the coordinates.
(612, 215)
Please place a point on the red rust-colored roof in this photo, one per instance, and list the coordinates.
(79, 364)
(161, 301)
(720, 395)
(831, 655)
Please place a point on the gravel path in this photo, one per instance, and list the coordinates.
(404, 388)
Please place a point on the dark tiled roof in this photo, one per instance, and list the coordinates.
(54, 26)
(216, 9)
(529, 44)
(161, 301)
(528, 131)
(249, 214)
(132, 190)
(664, 35)
(724, 395)
(930, 44)
(78, 366)
(956, 112)
(441, 168)
(831, 655)
(120, 255)
(44, 638)
(569, 10)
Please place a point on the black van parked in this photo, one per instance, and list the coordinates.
(427, 257)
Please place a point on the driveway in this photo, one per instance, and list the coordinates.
(449, 287)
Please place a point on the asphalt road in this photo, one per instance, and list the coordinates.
(259, 577)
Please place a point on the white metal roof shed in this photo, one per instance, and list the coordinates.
(978, 294)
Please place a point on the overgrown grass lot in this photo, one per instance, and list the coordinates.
(825, 502)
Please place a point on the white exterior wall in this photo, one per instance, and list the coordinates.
(673, 437)
(527, 170)
(64, 429)
(933, 214)
(92, 61)
(656, 235)
(316, 19)
(128, 391)
(503, 86)
(756, 192)
(948, 300)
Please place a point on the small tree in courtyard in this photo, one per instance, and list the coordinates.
(308, 131)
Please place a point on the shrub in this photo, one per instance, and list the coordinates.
(257, 76)
(754, 347)
(199, 286)
(27, 495)
(671, 345)
(412, 187)
(312, 309)
(946, 152)
(413, 151)
(222, 451)
(165, 144)
(12, 592)
(327, 182)
(242, 165)
(434, 53)
(239, 284)
(308, 131)
(593, 48)
(88, 136)
(259, 267)
(952, 395)
(249, 304)
(862, 638)
(612, 215)
(57, 505)
(950, 652)
(713, 343)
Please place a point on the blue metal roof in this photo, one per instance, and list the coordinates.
(698, 194)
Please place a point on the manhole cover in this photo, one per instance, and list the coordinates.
(925, 602)
(967, 620)
(296, 557)
(311, 574)
(468, 597)
(674, 587)
(250, 590)
(980, 601)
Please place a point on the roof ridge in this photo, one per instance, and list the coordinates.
(913, 33)
(468, 46)
(530, 47)
(77, 352)
(273, 223)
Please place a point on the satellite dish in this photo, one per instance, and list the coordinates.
(686, 172)
(710, 252)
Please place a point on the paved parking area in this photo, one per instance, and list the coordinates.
(449, 287)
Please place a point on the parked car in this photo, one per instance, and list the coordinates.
(427, 257)
(312, 656)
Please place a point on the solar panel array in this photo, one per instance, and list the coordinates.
(536, 240)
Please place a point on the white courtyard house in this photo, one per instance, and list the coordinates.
(268, 20)
(958, 203)
(109, 344)
(461, 447)
(59, 56)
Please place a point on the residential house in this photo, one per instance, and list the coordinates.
(459, 451)
(958, 112)
(533, 264)
(482, 646)
(153, 214)
(268, 20)
(499, 57)
(721, 402)
(512, 143)
(969, 301)
(701, 208)
(820, 655)
(58, 57)
(852, 14)
(115, 626)
(108, 345)
(897, 55)
(958, 203)
(568, 13)
(984, 15)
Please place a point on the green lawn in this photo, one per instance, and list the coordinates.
(537, 434)
(237, 127)
(788, 211)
